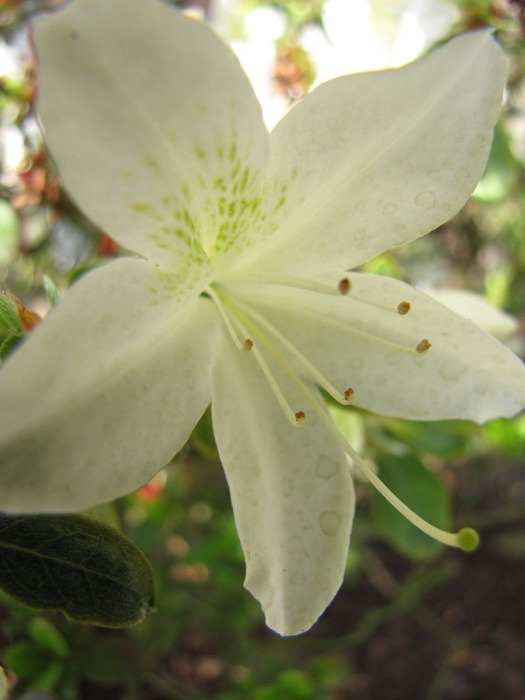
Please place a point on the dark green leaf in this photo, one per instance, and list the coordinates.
(76, 565)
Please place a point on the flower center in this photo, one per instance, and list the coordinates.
(253, 332)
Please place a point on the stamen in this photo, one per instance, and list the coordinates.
(247, 345)
(240, 345)
(344, 286)
(292, 282)
(466, 539)
(423, 346)
(363, 334)
(309, 368)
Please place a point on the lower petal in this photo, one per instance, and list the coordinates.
(291, 492)
(104, 392)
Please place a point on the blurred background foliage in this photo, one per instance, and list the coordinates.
(412, 620)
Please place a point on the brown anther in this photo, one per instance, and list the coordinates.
(344, 286)
(349, 394)
(300, 417)
(247, 345)
(423, 346)
(403, 308)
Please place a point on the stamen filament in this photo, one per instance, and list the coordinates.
(465, 539)
(342, 398)
(293, 282)
(343, 287)
(365, 334)
(224, 315)
(295, 417)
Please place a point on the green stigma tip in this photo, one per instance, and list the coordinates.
(467, 539)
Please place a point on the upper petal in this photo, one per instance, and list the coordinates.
(104, 393)
(151, 121)
(360, 341)
(367, 162)
(291, 493)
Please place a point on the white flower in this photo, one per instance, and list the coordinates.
(240, 294)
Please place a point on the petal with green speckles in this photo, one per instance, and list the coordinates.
(104, 392)
(155, 128)
(374, 160)
(291, 491)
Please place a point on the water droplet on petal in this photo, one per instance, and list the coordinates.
(389, 208)
(426, 200)
(330, 522)
(452, 369)
(326, 467)
(298, 579)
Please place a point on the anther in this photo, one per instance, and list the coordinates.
(349, 394)
(300, 417)
(403, 308)
(247, 345)
(423, 346)
(344, 286)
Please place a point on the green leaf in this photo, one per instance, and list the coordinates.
(109, 660)
(51, 290)
(28, 660)
(9, 317)
(48, 637)
(9, 232)
(501, 173)
(10, 342)
(77, 565)
(423, 491)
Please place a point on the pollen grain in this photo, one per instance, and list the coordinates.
(344, 286)
(349, 394)
(300, 417)
(423, 346)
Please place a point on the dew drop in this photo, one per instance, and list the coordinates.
(298, 579)
(451, 370)
(389, 208)
(330, 522)
(307, 490)
(326, 467)
(426, 200)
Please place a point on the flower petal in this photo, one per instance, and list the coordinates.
(151, 121)
(104, 393)
(291, 492)
(370, 161)
(361, 341)
(478, 310)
